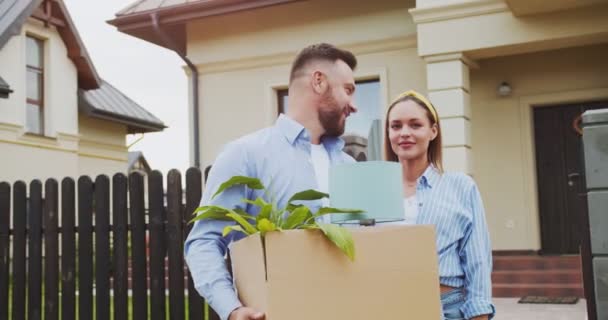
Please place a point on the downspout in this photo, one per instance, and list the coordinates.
(194, 83)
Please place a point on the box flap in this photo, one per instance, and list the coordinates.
(249, 271)
(395, 269)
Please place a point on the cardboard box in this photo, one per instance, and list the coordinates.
(300, 274)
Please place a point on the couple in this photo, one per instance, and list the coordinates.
(321, 94)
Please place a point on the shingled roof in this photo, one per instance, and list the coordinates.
(109, 103)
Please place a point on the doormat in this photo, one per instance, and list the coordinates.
(548, 300)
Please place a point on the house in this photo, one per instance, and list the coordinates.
(510, 79)
(58, 118)
(138, 163)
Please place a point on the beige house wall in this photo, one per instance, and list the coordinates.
(72, 145)
(241, 37)
(244, 58)
(456, 26)
(503, 135)
(102, 147)
(36, 159)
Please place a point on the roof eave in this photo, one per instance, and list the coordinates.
(133, 125)
(140, 24)
(88, 78)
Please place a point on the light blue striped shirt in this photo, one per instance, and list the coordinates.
(280, 154)
(452, 203)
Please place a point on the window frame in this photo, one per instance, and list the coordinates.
(40, 78)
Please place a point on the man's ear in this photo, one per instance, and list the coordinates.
(319, 82)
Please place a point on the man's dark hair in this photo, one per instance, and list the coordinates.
(323, 52)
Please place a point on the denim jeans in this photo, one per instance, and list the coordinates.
(451, 302)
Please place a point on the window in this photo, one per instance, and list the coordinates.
(363, 133)
(34, 122)
(282, 100)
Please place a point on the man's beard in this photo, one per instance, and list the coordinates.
(330, 115)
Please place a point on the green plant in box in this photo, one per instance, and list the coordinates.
(272, 218)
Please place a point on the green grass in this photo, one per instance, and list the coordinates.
(130, 306)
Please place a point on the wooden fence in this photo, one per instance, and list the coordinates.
(97, 249)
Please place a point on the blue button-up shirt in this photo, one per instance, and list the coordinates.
(452, 203)
(280, 157)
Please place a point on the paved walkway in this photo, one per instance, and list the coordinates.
(509, 309)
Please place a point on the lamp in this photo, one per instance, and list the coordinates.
(504, 89)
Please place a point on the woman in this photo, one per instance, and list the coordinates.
(449, 201)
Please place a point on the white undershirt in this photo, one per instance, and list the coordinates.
(320, 162)
(411, 209)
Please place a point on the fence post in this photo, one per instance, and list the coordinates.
(51, 252)
(5, 223)
(120, 252)
(102, 247)
(175, 245)
(193, 198)
(68, 250)
(35, 252)
(19, 241)
(85, 248)
(138, 246)
(157, 252)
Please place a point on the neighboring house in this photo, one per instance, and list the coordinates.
(57, 116)
(5, 90)
(138, 163)
(509, 78)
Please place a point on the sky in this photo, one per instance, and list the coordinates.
(150, 75)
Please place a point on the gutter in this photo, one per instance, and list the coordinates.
(130, 122)
(169, 43)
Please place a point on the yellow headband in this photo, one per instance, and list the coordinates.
(427, 103)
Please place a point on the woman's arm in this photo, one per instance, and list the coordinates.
(476, 259)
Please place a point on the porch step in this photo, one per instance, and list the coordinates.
(537, 276)
(536, 262)
(523, 275)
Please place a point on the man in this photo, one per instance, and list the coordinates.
(291, 156)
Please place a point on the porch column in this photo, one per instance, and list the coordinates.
(448, 89)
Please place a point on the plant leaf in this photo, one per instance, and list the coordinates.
(308, 195)
(265, 212)
(243, 213)
(341, 237)
(276, 215)
(211, 212)
(291, 207)
(296, 218)
(264, 225)
(229, 229)
(252, 183)
(210, 207)
(249, 228)
(260, 202)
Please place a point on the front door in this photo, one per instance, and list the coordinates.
(559, 169)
